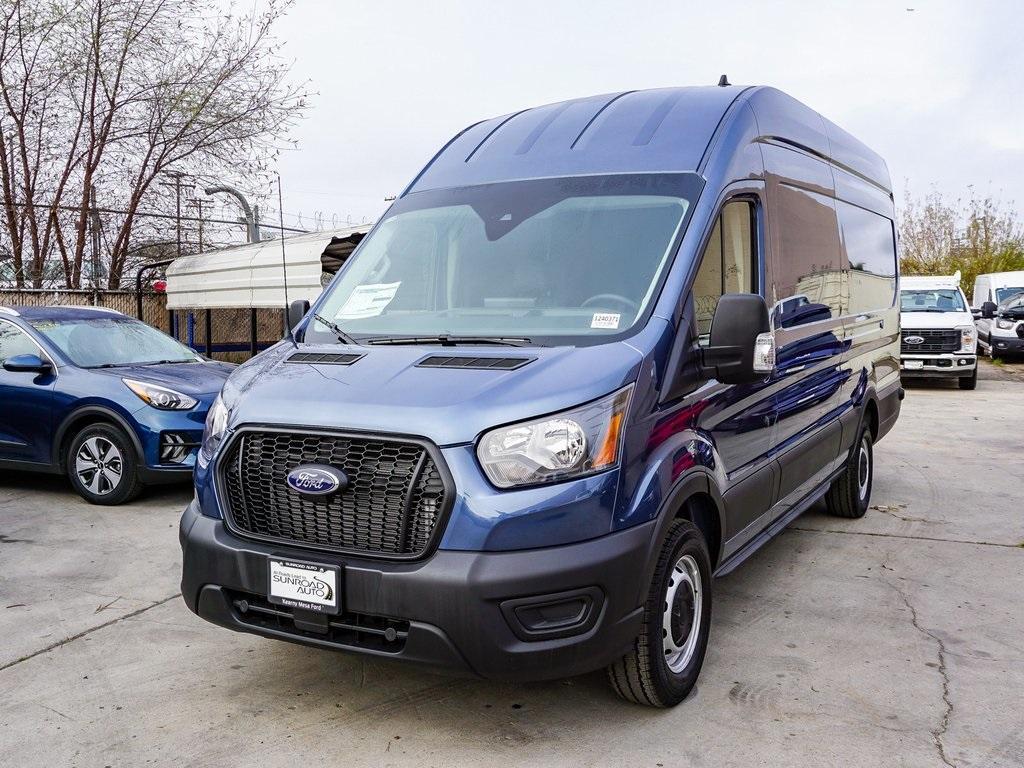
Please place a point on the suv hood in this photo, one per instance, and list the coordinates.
(937, 320)
(195, 379)
(386, 391)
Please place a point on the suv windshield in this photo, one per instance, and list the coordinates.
(932, 300)
(110, 341)
(571, 260)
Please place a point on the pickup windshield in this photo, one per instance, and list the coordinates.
(932, 300)
(556, 261)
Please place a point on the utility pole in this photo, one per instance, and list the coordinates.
(198, 203)
(177, 176)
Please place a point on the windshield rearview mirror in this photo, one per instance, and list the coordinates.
(27, 364)
(739, 327)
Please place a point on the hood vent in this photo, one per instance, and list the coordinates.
(479, 363)
(323, 358)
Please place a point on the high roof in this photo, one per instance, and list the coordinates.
(659, 130)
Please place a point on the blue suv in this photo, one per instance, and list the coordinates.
(107, 400)
(596, 354)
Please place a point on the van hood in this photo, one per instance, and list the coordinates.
(935, 320)
(387, 391)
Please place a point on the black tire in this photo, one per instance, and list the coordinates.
(969, 382)
(116, 478)
(850, 493)
(644, 675)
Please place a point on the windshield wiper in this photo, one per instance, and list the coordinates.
(342, 336)
(450, 341)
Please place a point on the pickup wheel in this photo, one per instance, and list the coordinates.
(969, 382)
(850, 493)
(102, 467)
(666, 657)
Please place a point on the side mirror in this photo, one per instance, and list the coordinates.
(296, 311)
(740, 348)
(27, 364)
(989, 309)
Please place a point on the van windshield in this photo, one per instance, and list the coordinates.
(932, 300)
(558, 261)
(1005, 294)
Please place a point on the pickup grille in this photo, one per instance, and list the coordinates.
(935, 340)
(394, 502)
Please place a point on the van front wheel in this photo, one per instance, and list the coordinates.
(663, 665)
(850, 493)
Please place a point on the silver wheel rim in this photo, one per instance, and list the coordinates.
(684, 607)
(863, 470)
(99, 465)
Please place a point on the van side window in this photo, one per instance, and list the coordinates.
(807, 284)
(728, 264)
(869, 253)
(14, 341)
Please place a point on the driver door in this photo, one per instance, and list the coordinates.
(26, 419)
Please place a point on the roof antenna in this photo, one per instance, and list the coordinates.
(284, 263)
(723, 81)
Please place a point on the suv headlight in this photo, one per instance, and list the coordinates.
(968, 338)
(574, 443)
(160, 397)
(216, 426)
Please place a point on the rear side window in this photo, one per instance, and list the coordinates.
(807, 282)
(869, 252)
(729, 262)
(14, 341)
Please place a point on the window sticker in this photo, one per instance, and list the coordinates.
(367, 301)
(609, 320)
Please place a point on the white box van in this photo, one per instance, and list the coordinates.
(938, 337)
(998, 304)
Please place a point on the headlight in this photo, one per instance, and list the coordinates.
(160, 397)
(1004, 324)
(216, 426)
(570, 444)
(968, 338)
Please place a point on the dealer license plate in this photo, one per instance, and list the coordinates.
(913, 365)
(309, 586)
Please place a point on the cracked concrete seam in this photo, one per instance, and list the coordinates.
(939, 733)
(84, 632)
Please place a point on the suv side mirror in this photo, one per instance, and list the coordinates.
(296, 311)
(27, 364)
(988, 310)
(740, 348)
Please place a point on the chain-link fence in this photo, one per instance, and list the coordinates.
(231, 335)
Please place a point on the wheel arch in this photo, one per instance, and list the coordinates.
(82, 417)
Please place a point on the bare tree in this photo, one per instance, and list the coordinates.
(101, 97)
(976, 235)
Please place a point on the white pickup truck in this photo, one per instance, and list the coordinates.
(937, 336)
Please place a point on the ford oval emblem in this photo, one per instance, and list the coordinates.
(316, 480)
(914, 339)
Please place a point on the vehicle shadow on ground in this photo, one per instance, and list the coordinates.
(14, 483)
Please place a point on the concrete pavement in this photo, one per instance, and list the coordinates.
(895, 640)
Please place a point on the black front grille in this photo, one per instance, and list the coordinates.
(392, 506)
(937, 340)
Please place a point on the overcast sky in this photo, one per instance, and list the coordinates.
(937, 91)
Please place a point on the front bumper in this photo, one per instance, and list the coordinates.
(1007, 345)
(938, 365)
(469, 613)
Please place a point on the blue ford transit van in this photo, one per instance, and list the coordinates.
(596, 354)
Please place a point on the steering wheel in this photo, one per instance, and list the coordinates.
(627, 304)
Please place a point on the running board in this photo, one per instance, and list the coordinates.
(773, 530)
